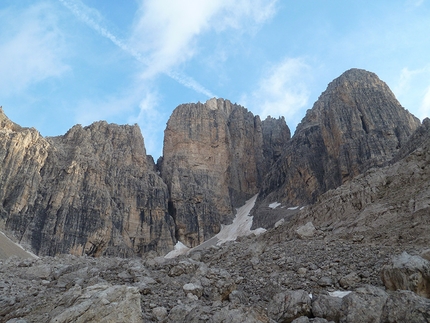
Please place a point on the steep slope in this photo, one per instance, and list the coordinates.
(356, 124)
(213, 160)
(388, 205)
(90, 192)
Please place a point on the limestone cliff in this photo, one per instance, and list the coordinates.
(390, 204)
(357, 123)
(213, 159)
(90, 192)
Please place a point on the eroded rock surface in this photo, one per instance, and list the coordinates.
(213, 160)
(90, 192)
(356, 124)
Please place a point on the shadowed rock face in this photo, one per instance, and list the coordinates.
(357, 123)
(90, 192)
(213, 160)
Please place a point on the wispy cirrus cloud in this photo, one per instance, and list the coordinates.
(94, 20)
(31, 46)
(167, 31)
(281, 91)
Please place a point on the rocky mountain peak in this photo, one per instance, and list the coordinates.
(215, 156)
(357, 123)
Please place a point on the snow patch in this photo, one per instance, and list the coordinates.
(274, 205)
(19, 246)
(179, 249)
(293, 208)
(338, 293)
(241, 225)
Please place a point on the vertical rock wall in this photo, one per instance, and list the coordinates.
(213, 160)
(90, 192)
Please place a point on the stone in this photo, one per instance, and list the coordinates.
(301, 319)
(407, 272)
(363, 305)
(425, 254)
(350, 281)
(237, 297)
(306, 231)
(406, 306)
(239, 315)
(194, 289)
(302, 271)
(103, 303)
(287, 306)
(327, 307)
(159, 312)
(325, 281)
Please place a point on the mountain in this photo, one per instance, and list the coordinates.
(94, 191)
(214, 158)
(89, 192)
(374, 226)
(346, 202)
(357, 123)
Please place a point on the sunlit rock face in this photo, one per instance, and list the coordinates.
(90, 192)
(215, 156)
(356, 123)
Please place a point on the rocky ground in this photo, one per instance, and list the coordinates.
(255, 279)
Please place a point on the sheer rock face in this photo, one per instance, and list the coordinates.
(213, 160)
(90, 192)
(389, 204)
(357, 123)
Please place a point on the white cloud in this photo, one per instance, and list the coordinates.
(408, 77)
(282, 90)
(413, 91)
(166, 31)
(94, 20)
(31, 47)
(424, 111)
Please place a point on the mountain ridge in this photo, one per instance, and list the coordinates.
(94, 190)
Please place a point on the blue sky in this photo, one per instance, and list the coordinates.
(65, 62)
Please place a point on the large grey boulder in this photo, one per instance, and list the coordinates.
(103, 303)
(406, 306)
(325, 306)
(240, 315)
(287, 306)
(408, 272)
(363, 305)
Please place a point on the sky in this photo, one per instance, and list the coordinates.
(67, 62)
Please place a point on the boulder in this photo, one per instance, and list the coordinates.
(306, 231)
(103, 303)
(240, 315)
(406, 306)
(364, 305)
(327, 307)
(407, 272)
(287, 306)
(350, 281)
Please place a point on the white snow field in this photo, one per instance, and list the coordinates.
(241, 226)
(8, 248)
